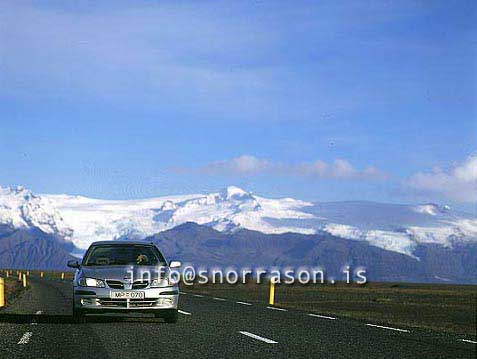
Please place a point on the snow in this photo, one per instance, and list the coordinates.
(82, 220)
(390, 241)
(431, 209)
(20, 208)
(229, 209)
(96, 219)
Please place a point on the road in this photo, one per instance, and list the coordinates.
(39, 325)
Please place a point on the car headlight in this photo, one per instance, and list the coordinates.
(160, 282)
(91, 282)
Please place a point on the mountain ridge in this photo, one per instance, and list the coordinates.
(204, 246)
(417, 243)
(394, 227)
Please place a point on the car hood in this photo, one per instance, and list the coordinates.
(124, 272)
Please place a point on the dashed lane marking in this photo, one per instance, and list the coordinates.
(321, 316)
(25, 338)
(389, 328)
(34, 322)
(244, 303)
(276, 308)
(258, 337)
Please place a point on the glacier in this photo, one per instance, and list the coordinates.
(82, 220)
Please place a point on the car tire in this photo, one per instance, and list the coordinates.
(78, 314)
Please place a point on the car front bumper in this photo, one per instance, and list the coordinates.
(99, 299)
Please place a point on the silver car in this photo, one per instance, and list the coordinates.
(125, 276)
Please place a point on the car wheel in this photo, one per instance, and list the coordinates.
(78, 314)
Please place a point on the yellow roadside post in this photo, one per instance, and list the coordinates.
(271, 299)
(2, 292)
(62, 275)
(41, 274)
(8, 274)
(28, 272)
(24, 280)
(19, 276)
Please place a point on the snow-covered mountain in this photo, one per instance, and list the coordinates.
(232, 208)
(20, 208)
(397, 228)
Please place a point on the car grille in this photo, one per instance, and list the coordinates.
(122, 303)
(115, 284)
(140, 284)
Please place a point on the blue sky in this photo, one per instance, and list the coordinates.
(320, 100)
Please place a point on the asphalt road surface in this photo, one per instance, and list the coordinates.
(39, 325)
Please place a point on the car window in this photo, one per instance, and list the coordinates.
(106, 255)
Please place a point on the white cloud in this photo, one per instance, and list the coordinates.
(244, 164)
(458, 183)
(340, 169)
(248, 164)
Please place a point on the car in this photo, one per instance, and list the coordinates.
(125, 276)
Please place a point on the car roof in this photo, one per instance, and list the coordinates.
(121, 242)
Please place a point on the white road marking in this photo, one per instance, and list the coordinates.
(198, 296)
(34, 322)
(216, 298)
(185, 313)
(25, 338)
(275, 308)
(469, 341)
(321, 316)
(390, 328)
(243, 303)
(258, 337)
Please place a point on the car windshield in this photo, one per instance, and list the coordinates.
(107, 255)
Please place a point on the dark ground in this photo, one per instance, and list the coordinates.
(13, 288)
(438, 307)
(39, 325)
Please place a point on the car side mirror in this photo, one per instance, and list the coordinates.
(73, 263)
(175, 264)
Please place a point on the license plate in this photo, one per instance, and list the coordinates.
(127, 295)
